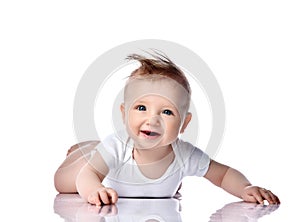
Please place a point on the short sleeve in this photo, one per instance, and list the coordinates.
(107, 154)
(198, 163)
(194, 161)
(114, 150)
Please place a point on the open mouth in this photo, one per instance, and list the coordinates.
(149, 133)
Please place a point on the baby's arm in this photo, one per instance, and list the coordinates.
(237, 184)
(89, 183)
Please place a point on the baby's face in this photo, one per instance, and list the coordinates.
(154, 111)
(152, 121)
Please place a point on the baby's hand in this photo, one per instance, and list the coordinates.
(256, 194)
(103, 195)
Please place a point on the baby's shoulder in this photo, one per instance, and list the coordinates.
(118, 139)
(183, 146)
(186, 149)
(117, 144)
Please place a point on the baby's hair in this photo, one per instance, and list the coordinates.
(161, 65)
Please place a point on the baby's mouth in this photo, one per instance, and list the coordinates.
(149, 133)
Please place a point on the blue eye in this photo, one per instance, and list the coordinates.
(141, 108)
(168, 112)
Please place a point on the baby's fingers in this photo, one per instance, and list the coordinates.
(108, 196)
(112, 195)
(252, 194)
(255, 198)
(269, 196)
(249, 198)
(104, 196)
(94, 199)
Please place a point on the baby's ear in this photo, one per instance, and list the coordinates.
(122, 108)
(186, 122)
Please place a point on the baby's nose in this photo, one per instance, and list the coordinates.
(154, 120)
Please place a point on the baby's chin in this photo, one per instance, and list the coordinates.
(138, 144)
(145, 145)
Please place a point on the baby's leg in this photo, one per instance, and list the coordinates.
(65, 176)
(80, 145)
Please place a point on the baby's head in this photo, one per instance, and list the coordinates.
(158, 65)
(156, 101)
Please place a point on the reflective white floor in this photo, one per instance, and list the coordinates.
(71, 208)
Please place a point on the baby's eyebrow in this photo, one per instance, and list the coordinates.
(168, 107)
(140, 101)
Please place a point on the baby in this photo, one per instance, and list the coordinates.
(149, 159)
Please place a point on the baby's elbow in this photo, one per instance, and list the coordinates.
(64, 183)
(58, 182)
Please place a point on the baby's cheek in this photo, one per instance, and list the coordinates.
(173, 130)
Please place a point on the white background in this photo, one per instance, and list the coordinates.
(252, 47)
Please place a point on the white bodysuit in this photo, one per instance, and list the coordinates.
(127, 180)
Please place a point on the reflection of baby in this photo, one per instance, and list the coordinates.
(242, 212)
(149, 160)
(73, 209)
